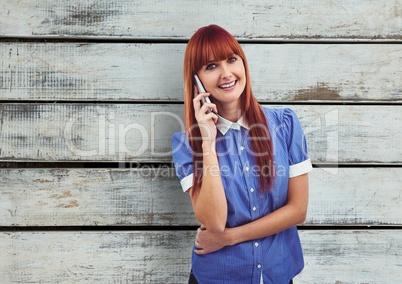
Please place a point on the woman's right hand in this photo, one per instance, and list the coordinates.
(206, 119)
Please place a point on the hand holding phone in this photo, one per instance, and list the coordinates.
(201, 89)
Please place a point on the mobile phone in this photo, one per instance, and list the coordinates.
(201, 89)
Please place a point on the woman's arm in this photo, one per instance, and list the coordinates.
(293, 213)
(209, 204)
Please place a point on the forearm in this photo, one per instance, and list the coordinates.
(210, 207)
(286, 217)
(278, 221)
(291, 214)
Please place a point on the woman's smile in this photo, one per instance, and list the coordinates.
(228, 86)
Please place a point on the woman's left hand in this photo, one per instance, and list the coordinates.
(207, 242)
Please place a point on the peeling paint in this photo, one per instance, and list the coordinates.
(63, 194)
(70, 204)
(81, 15)
(321, 92)
(42, 181)
(66, 193)
(42, 203)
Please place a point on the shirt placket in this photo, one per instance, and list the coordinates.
(247, 167)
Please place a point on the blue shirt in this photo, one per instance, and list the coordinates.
(273, 259)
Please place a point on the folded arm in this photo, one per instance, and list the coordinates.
(292, 213)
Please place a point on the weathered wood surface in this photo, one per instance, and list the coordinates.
(164, 257)
(351, 257)
(355, 196)
(93, 128)
(153, 197)
(330, 19)
(95, 257)
(152, 72)
(91, 197)
(124, 132)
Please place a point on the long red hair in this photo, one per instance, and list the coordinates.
(215, 42)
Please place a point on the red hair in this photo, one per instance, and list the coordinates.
(215, 42)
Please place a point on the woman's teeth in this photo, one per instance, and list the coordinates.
(225, 86)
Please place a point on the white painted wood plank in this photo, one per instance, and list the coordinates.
(351, 257)
(153, 197)
(164, 257)
(355, 196)
(252, 19)
(81, 72)
(92, 197)
(352, 134)
(82, 132)
(95, 257)
(291, 72)
(124, 132)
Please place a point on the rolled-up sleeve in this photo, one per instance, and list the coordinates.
(299, 161)
(183, 160)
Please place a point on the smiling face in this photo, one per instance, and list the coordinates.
(225, 80)
(219, 61)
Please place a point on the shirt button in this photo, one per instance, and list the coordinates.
(246, 168)
(254, 208)
(241, 148)
(256, 244)
(252, 189)
(259, 266)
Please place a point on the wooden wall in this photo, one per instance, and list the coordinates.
(91, 92)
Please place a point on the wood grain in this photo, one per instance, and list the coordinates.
(153, 197)
(252, 19)
(101, 81)
(356, 256)
(93, 197)
(95, 257)
(164, 256)
(153, 72)
(355, 196)
(142, 132)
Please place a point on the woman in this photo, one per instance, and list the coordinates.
(245, 169)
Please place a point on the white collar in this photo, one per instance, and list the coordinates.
(224, 125)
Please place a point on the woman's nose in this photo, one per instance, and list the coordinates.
(225, 72)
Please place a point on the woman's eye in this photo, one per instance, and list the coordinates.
(232, 59)
(210, 66)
